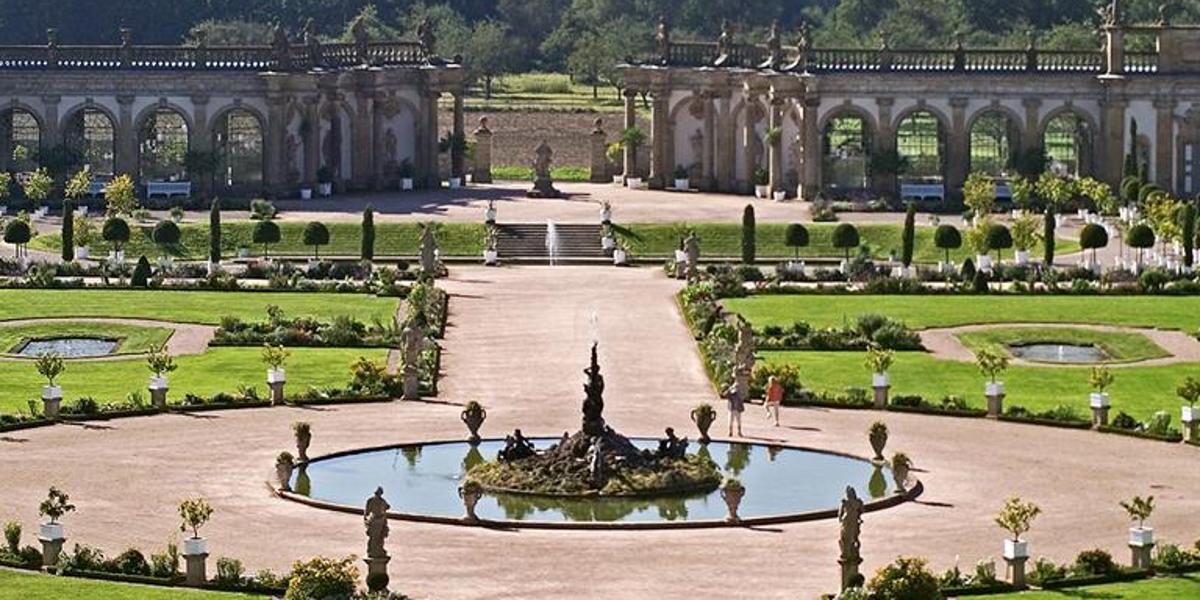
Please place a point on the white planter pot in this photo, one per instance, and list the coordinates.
(243, 253)
(1099, 400)
(312, 264)
(213, 268)
(454, 183)
(994, 389)
(796, 266)
(158, 383)
(406, 184)
(880, 380)
(680, 256)
(165, 262)
(1014, 550)
(606, 216)
(1189, 414)
(983, 262)
(619, 257)
(325, 189)
(619, 179)
(491, 257)
(946, 267)
(1141, 536)
(306, 193)
(3, 209)
(489, 215)
(117, 255)
(276, 376)
(82, 252)
(682, 184)
(608, 243)
(1022, 257)
(780, 196)
(633, 183)
(762, 191)
(1083, 214)
(51, 392)
(51, 531)
(195, 547)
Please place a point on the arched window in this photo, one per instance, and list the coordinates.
(22, 137)
(919, 140)
(238, 143)
(91, 132)
(163, 146)
(845, 147)
(993, 143)
(1068, 144)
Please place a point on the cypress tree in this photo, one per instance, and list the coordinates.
(141, 273)
(1048, 238)
(368, 233)
(68, 231)
(1188, 216)
(214, 232)
(910, 234)
(749, 243)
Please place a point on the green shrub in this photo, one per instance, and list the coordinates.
(1094, 563)
(116, 232)
(12, 536)
(130, 562)
(316, 234)
(165, 565)
(749, 241)
(796, 236)
(1044, 570)
(367, 249)
(141, 273)
(947, 237)
(322, 578)
(229, 571)
(845, 237)
(787, 374)
(907, 578)
(214, 231)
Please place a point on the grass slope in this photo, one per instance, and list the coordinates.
(1168, 588)
(16, 585)
(1119, 347)
(133, 339)
(188, 306)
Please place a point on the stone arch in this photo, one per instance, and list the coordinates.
(20, 126)
(336, 137)
(926, 154)
(1067, 136)
(164, 137)
(751, 146)
(847, 138)
(687, 134)
(397, 132)
(238, 135)
(91, 129)
(994, 140)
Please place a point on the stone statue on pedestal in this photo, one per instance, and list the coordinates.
(743, 358)
(429, 252)
(593, 403)
(691, 247)
(413, 343)
(375, 519)
(850, 517)
(543, 185)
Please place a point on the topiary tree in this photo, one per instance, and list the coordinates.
(120, 198)
(38, 186)
(1187, 218)
(141, 273)
(368, 233)
(947, 237)
(999, 238)
(316, 234)
(796, 237)
(845, 237)
(115, 232)
(1093, 237)
(1048, 225)
(979, 194)
(68, 231)
(165, 235)
(18, 233)
(749, 241)
(1141, 237)
(909, 237)
(265, 233)
(214, 231)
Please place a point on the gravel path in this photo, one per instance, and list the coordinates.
(944, 343)
(185, 338)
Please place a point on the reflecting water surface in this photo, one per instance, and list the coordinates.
(424, 480)
(77, 347)
(1059, 353)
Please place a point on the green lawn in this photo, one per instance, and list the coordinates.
(131, 338)
(542, 90)
(1118, 347)
(725, 239)
(217, 370)
(1168, 588)
(391, 239)
(205, 307)
(16, 585)
(564, 173)
(1139, 391)
(920, 312)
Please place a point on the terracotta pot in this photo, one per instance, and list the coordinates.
(733, 499)
(704, 421)
(474, 419)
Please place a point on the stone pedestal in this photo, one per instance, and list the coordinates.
(995, 406)
(1016, 571)
(197, 565)
(1099, 416)
(850, 573)
(412, 385)
(276, 392)
(482, 169)
(51, 549)
(377, 566)
(881, 396)
(1191, 431)
(1140, 556)
(597, 151)
(158, 398)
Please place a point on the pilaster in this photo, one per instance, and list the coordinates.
(1164, 142)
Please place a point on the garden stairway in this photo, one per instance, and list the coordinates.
(576, 241)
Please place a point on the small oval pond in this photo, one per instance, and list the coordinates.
(423, 480)
(69, 347)
(1059, 353)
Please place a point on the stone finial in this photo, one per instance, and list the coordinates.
(362, 39)
(662, 40)
(1164, 19)
(201, 38)
(51, 37)
(483, 126)
(598, 126)
(1030, 40)
(774, 48)
(282, 48)
(427, 38)
(724, 45)
(126, 37)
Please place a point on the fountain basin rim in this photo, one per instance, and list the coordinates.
(894, 499)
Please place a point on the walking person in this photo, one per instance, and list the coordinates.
(737, 405)
(774, 398)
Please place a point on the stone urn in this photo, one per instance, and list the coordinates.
(473, 417)
(283, 471)
(732, 493)
(878, 437)
(901, 466)
(704, 416)
(470, 492)
(303, 440)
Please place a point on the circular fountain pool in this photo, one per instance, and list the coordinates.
(421, 482)
(68, 347)
(1059, 353)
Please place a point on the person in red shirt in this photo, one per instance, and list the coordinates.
(774, 398)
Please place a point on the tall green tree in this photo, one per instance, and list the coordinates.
(1187, 218)
(368, 234)
(68, 231)
(749, 241)
(214, 232)
(909, 236)
(1048, 226)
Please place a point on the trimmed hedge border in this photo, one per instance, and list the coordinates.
(255, 589)
(1071, 582)
(1000, 587)
(1174, 438)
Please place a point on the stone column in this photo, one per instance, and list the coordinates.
(1114, 51)
(630, 158)
(660, 170)
(724, 147)
(995, 405)
(158, 395)
(1031, 138)
(200, 140)
(126, 159)
(427, 141)
(745, 137)
(197, 569)
(708, 174)
(1016, 571)
(775, 147)
(6, 146)
(276, 388)
(885, 141)
(1164, 143)
(1110, 147)
(457, 160)
(810, 139)
(51, 129)
(482, 173)
(599, 161)
(51, 550)
(312, 140)
(958, 151)
(362, 141)
(1140, 555)
(275, 163)
(379, 175)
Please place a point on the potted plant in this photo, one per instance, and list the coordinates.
(1189, 390)
(1139, 509)
(5, 191)
(878, 436)
(165, 235)
(284, 463)
(84, 233)
(1016, 517)
(1026, 232)
(406, 175)
(315, 234)
(732, 493)
(632, 139)
(608, 240)
(901, 466)
(325, 176)
(605, 213)
(491, 241)
(977, 241)
(1100, 379)
(38, 186)
(177, 213)
(56, 504)
(470, 492)
(473, 416)
(704, 415)
(762, 179)
(303, 432)
(489, 215)
(878, 361)
(160, 364)
(991, 364)
(681, 178)
(947, 237)
(116, 232)
(50, 366)
(194, 512)
(274, 357)
(621, 253)
(456, 144)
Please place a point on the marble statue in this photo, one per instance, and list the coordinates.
(429, 252)
(691, 247)
(850, 517)
(413, 342)
(543, 185)
(376, 521)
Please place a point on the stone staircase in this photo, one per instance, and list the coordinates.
(576, 241)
